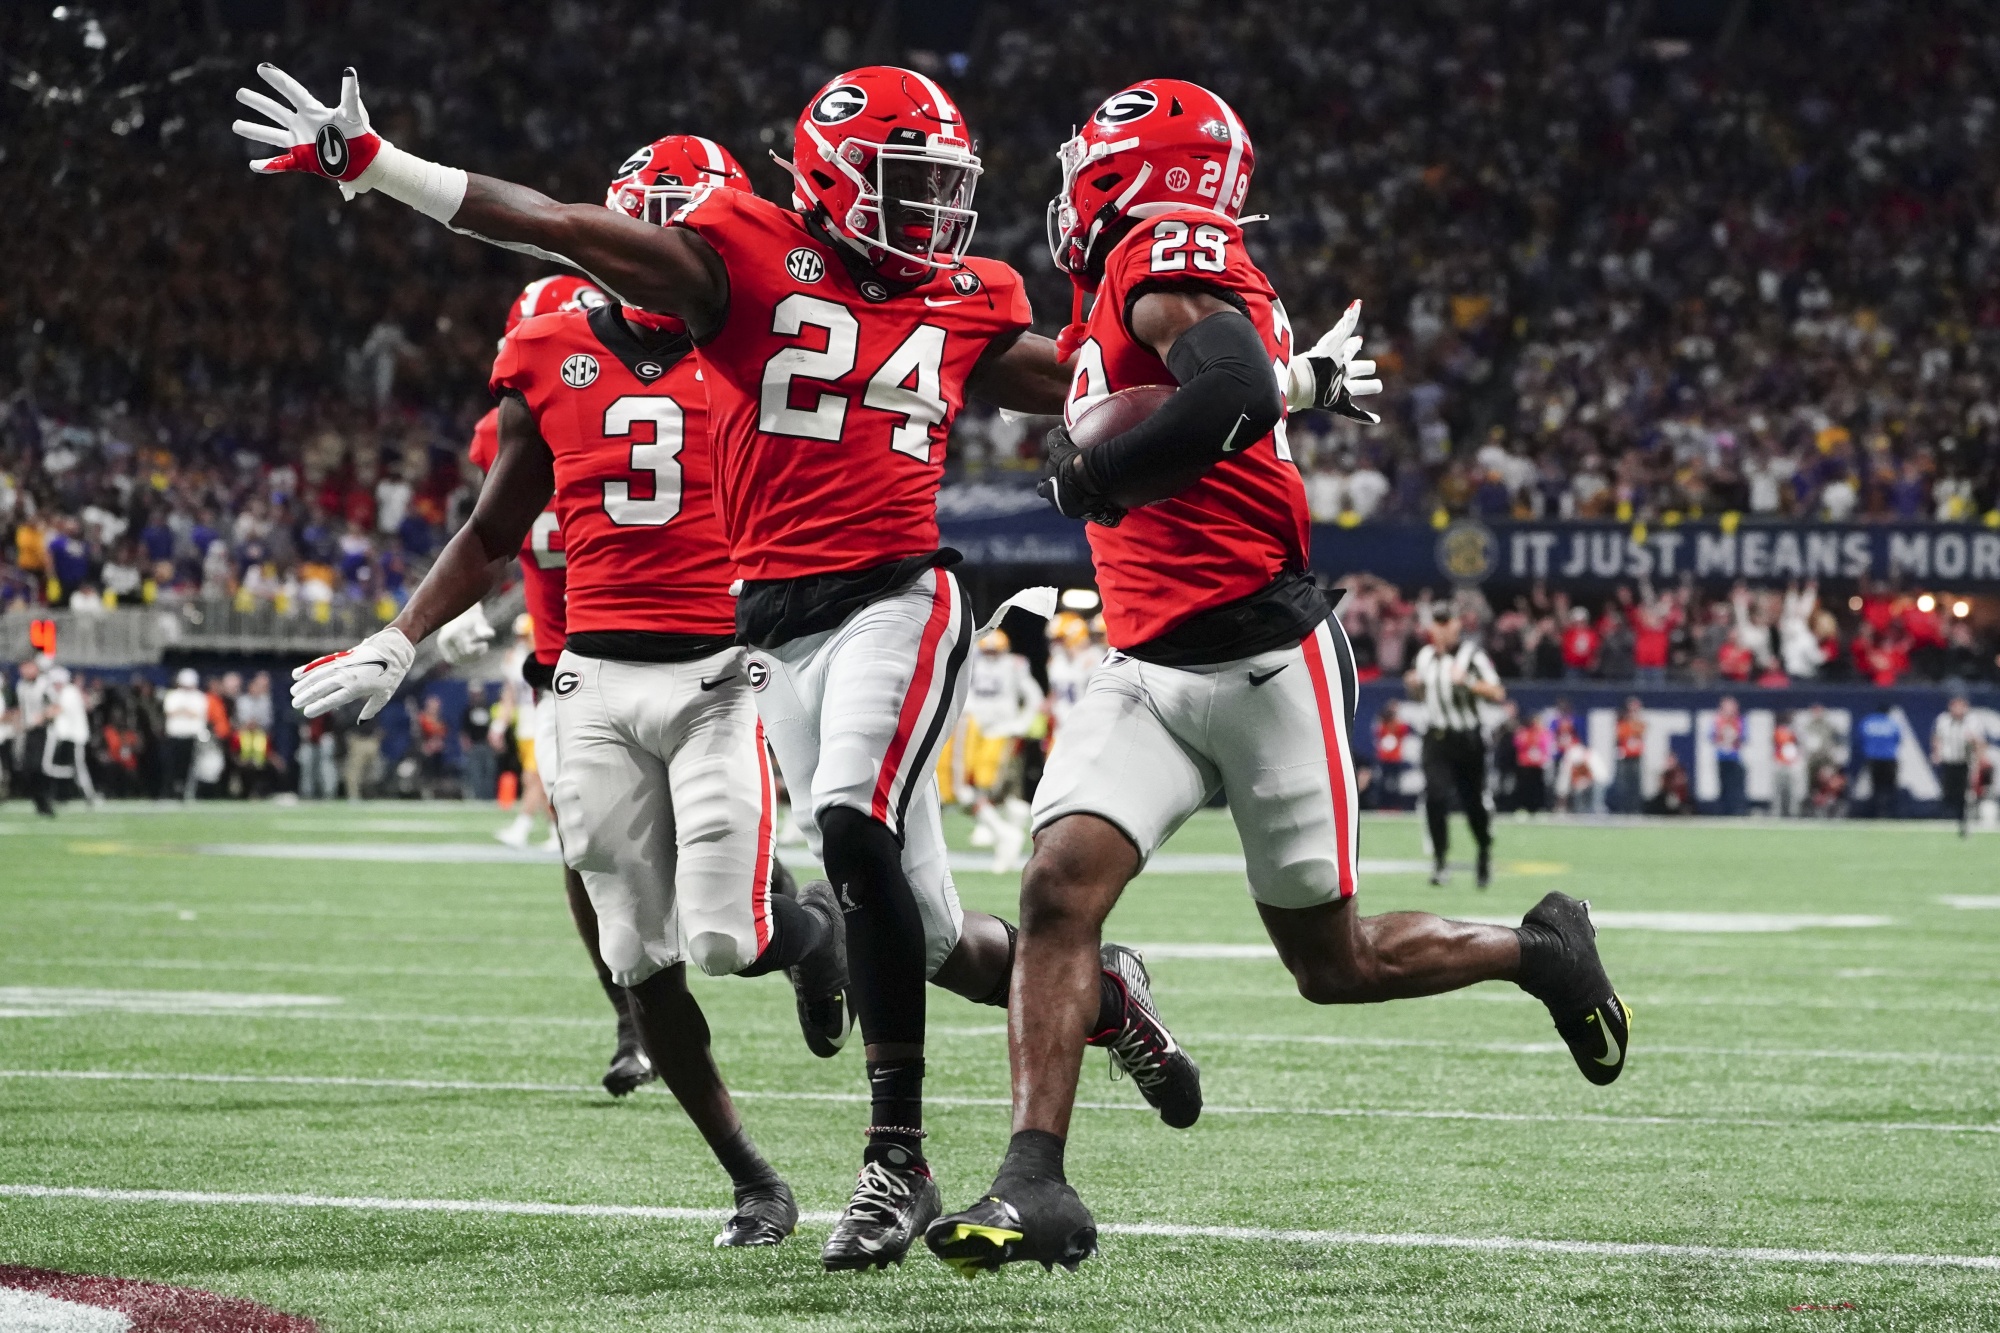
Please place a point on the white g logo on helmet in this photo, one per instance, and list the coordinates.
(839, 104)
(1129, 105)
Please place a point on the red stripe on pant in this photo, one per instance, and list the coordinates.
(914, 700)
(760, 887)
(1335, 736)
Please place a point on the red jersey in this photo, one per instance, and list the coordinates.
(542, 571)
(627, 423)
(1245, 521)
(830, 396)
(1631, 737)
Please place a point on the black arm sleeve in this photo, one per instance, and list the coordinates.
(1228, 400)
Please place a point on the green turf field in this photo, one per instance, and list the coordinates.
(355, 1032)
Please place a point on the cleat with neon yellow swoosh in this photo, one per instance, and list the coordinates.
(1560, 967)
(1039, 1220)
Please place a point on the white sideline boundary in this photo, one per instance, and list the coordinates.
(838, 1098)
(1159, 1230)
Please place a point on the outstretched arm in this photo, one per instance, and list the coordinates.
(666, 269)
(514, 494)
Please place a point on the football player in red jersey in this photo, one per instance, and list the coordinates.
(838, 338)
(665, 792)
(469, 635)
(1229, 670)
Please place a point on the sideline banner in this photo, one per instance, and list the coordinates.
(1680, 720)
(1004, 525)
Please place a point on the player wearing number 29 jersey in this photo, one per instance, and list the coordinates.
(1230, 673)
(1243, 523)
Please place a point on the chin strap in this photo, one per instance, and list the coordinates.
(1073, 332)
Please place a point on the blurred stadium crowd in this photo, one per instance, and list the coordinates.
(1612, 272)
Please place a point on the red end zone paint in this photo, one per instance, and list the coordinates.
(154, 1308)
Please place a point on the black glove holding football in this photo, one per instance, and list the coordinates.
(1067, 486)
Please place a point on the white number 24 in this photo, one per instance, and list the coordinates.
(905, 384)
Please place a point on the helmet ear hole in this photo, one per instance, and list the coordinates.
(821, 179)
(1106, 181)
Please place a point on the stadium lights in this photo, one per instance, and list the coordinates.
(1926, 603)
(1961, 608)
(1081, 600)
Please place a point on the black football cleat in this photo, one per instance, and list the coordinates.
(630, 1070)
(1036, 1219)
(765, 1215)
(1142, 1047)
(894, 1200)
(1590, 1018)
(820, 979)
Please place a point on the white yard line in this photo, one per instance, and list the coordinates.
(1327, 1239)
(838, 1098)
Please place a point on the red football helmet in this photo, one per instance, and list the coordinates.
(545, 296)
(1158, 145)
(886, 159)
(655, 181)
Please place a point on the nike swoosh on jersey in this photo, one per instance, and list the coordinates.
(1256, 679)
(933, 301)
(720, 680)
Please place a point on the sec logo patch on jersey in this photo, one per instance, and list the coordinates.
(805, 265)
(579, 371)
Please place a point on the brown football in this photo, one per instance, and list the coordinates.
(1118, 413)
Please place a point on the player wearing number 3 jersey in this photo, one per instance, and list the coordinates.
(837, 339)
(665, 795)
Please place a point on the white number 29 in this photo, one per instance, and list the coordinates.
(1170, 247)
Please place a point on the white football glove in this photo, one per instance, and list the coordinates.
(1329, 375)
(466, 637)
(338, 143)
(332, 141)
(370, 670)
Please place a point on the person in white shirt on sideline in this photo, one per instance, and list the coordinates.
(186, 708)
(65, 751)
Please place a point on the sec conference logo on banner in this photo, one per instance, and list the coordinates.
(1467, 551)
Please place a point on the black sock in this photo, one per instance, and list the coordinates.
(885, 932)
(621, 1004)
(1032, 1154)
(1541, 959)
(796, 931)
(895, 1108)
(745, 1165)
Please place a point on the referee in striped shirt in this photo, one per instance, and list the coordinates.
(1450, 678)
(1955, 746)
